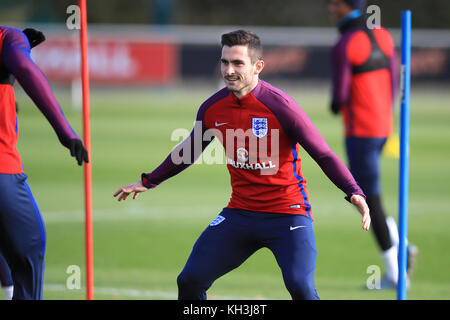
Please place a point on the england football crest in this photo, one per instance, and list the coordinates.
(260, 127)
(217, 221)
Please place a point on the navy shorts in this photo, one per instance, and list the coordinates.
(22, 236)
(236, 234)
(364, 161)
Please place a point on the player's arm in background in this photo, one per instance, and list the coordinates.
(172, 165)
(394, 71)
(16, 58)
(300, 128)
(341, 74)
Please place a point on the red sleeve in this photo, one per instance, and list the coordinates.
(387, 45)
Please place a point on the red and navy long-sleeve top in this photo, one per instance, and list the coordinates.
(262, 133)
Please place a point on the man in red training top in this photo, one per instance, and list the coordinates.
(22, 231)
(365, 80)
(261, 128)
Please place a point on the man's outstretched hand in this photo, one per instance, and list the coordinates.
(136, 187)
(360, 203)
(78, 151)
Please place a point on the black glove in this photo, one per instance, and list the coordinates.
(335, 108)
(34, 36)
(78, 151)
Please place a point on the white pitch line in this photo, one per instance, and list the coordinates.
(139, 212)
(133, 213)
(136, 212)
(136, 293)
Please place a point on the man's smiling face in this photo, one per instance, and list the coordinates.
(239, 72)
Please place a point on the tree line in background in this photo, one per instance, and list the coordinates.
(426, 13)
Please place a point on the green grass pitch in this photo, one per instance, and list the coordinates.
(141, 246)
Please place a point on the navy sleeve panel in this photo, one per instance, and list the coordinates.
(16, 59)
(187, 152)
(341, 72)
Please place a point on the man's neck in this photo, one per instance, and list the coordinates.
(245, 91)
(352, 21)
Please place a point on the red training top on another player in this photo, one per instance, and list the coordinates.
(365, 79)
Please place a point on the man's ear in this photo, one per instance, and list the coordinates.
(259, 66)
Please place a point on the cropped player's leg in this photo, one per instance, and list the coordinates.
(379, 224)
(221, 248)
(363, 155)
(22, 236)
(364, 158)
(291, 239)
(6, 279)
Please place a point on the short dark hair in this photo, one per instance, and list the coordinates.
(244, 37)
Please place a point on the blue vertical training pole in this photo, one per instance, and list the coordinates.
(404, 155)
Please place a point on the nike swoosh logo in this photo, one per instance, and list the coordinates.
(220, 124)
(293, 228)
